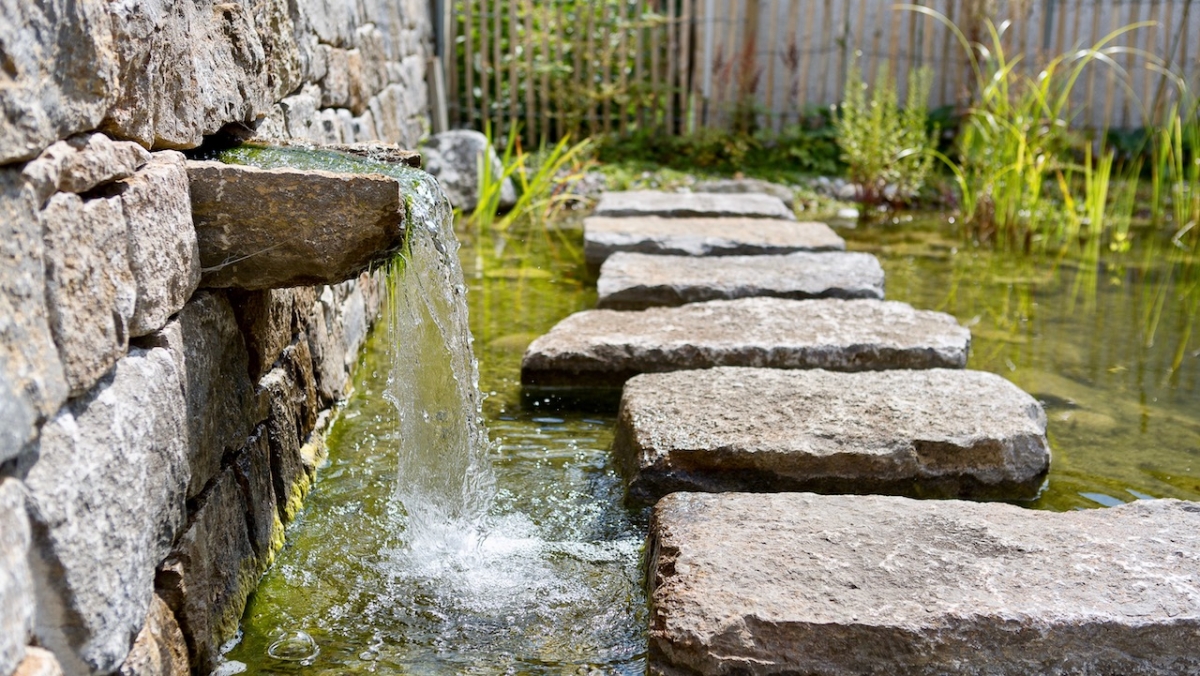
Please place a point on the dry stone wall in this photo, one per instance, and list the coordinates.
(155, 436)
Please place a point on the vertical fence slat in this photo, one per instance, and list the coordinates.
(772, 49)
(639, 61)
(545, 22)
(672, 64)
(468, 98)
(623, 26)
(497, 70)
(686, 122)
(605, 67)
(792, 56)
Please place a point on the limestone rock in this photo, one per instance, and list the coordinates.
(107, 496)
(604, 348)
(264, 526)
(16, 585)
(455, 158)
(207, 577)
(933, 433)
(90, 290)
(32, 383)
(631, 281)
(327, 344)
(603, 237)
(292, 396)
(846, 585)
(82, 163)
(637, 203)
(305, 227)
(38, 662)
(222, 405)
(741, 186)
(59, 72)
(163, 255)
(266, 319)
(159, 649)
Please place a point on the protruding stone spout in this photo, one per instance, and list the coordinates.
(279, 228)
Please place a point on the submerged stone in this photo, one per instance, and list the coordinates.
(741, 186)
(933, 433)
(848, 585)
(278, 228)
(630, 281)
(603, 237)
(692, 205)
(604, 348)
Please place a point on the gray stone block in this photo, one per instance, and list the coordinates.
(159, 649)
(603, 237)
(16, 584)
(82, 163)
(107, 499)
(267, 322)
(933, 433)
(454, 157)
(847, 585)
(604, 348)
(630, 281)
(637, 203)
(741, 186)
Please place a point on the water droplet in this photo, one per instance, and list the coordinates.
(294, 646)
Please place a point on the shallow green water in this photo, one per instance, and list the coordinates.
(557, 589)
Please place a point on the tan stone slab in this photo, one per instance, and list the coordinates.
(796, 583)
(630, 281)
(604, 348)
(604, 236)
(931, 433)
(691, 204)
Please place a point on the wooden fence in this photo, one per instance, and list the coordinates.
(569, 66)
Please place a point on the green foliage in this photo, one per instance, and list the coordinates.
(881, 143)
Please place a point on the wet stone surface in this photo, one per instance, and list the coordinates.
(934, 433)
(604, 348)
(631, 281)
(693, 204)
(603, 237)
(888, 585)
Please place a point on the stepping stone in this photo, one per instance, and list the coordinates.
(796, 583)
(603, 237)
(630, 281)
(936, 433)
(604, 348)
(691, 204)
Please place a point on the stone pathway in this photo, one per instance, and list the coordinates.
(850, 399)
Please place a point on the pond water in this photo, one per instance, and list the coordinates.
(556, 586)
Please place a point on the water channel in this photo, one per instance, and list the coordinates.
(547, 579)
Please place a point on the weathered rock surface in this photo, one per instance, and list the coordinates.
(603, 237)
(604, 348)
(159, 649)
(267, 321)
(32, 383)
(303, 228)
(846, 585)
(741, 186)
(107, 498)
(631, 281)
(932, 433)
(223, 407)
(163, 255)
(90, 290)
(82, 163)
(253, 470)
(455, 158)
(209, 574)
(38, 662)
(16, 585)
(691, 205)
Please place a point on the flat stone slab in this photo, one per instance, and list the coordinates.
(603, 237)
(934, 433)
(604, 348)
(799, 583)
(691, 204)
(631, 281)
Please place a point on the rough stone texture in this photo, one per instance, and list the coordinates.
(934, 433)
(16, 585)
(603, 237)
(293, 401)
(631, 281)
(305, 227)
(38, 662)
(741, 186)
(159, 649)
(59, 72)
(455, 158)
(223, 407)
(253, 471)
(163, 254)
(604, 348)
(107, 499)
(326, 342)
(207, 577)
(32, 384)
(267, 322)
(797, 583)
(636, 203)
(82, 163)
(90, 290)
